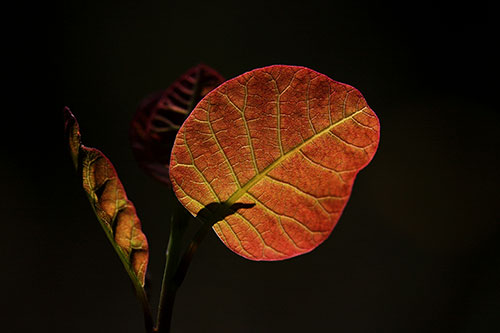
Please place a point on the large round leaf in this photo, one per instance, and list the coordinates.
(288, 140)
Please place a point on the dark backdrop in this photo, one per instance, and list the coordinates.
(417, 249)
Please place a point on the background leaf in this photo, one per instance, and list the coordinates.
(107, 196)
(160, 116)
(285, 138)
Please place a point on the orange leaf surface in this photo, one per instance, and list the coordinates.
(107, 196)
(285, 138)
(160, 116)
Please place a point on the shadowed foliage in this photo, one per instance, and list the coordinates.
(159, 117)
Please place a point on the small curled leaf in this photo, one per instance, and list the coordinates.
(288, 140)
(107, 196)
(159, 117)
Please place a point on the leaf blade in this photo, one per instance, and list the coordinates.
(263, 138)
(107, 196)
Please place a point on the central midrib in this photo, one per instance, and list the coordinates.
(241, 191)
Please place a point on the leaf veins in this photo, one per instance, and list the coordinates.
(285, 138)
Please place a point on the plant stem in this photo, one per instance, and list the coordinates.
(148, 318)
(188, 254)
(177, 262)
(178, 225)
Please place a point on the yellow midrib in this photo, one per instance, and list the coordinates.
(241, 191)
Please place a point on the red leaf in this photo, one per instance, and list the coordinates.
(286, 138)
(160, 116)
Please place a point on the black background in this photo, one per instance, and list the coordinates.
(417, 248)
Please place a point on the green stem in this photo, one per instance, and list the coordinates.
(188, 254)
(206, 224)
(169, 286)
(178, 258)
(148, 318)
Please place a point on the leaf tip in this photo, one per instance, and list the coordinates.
(72, 134)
